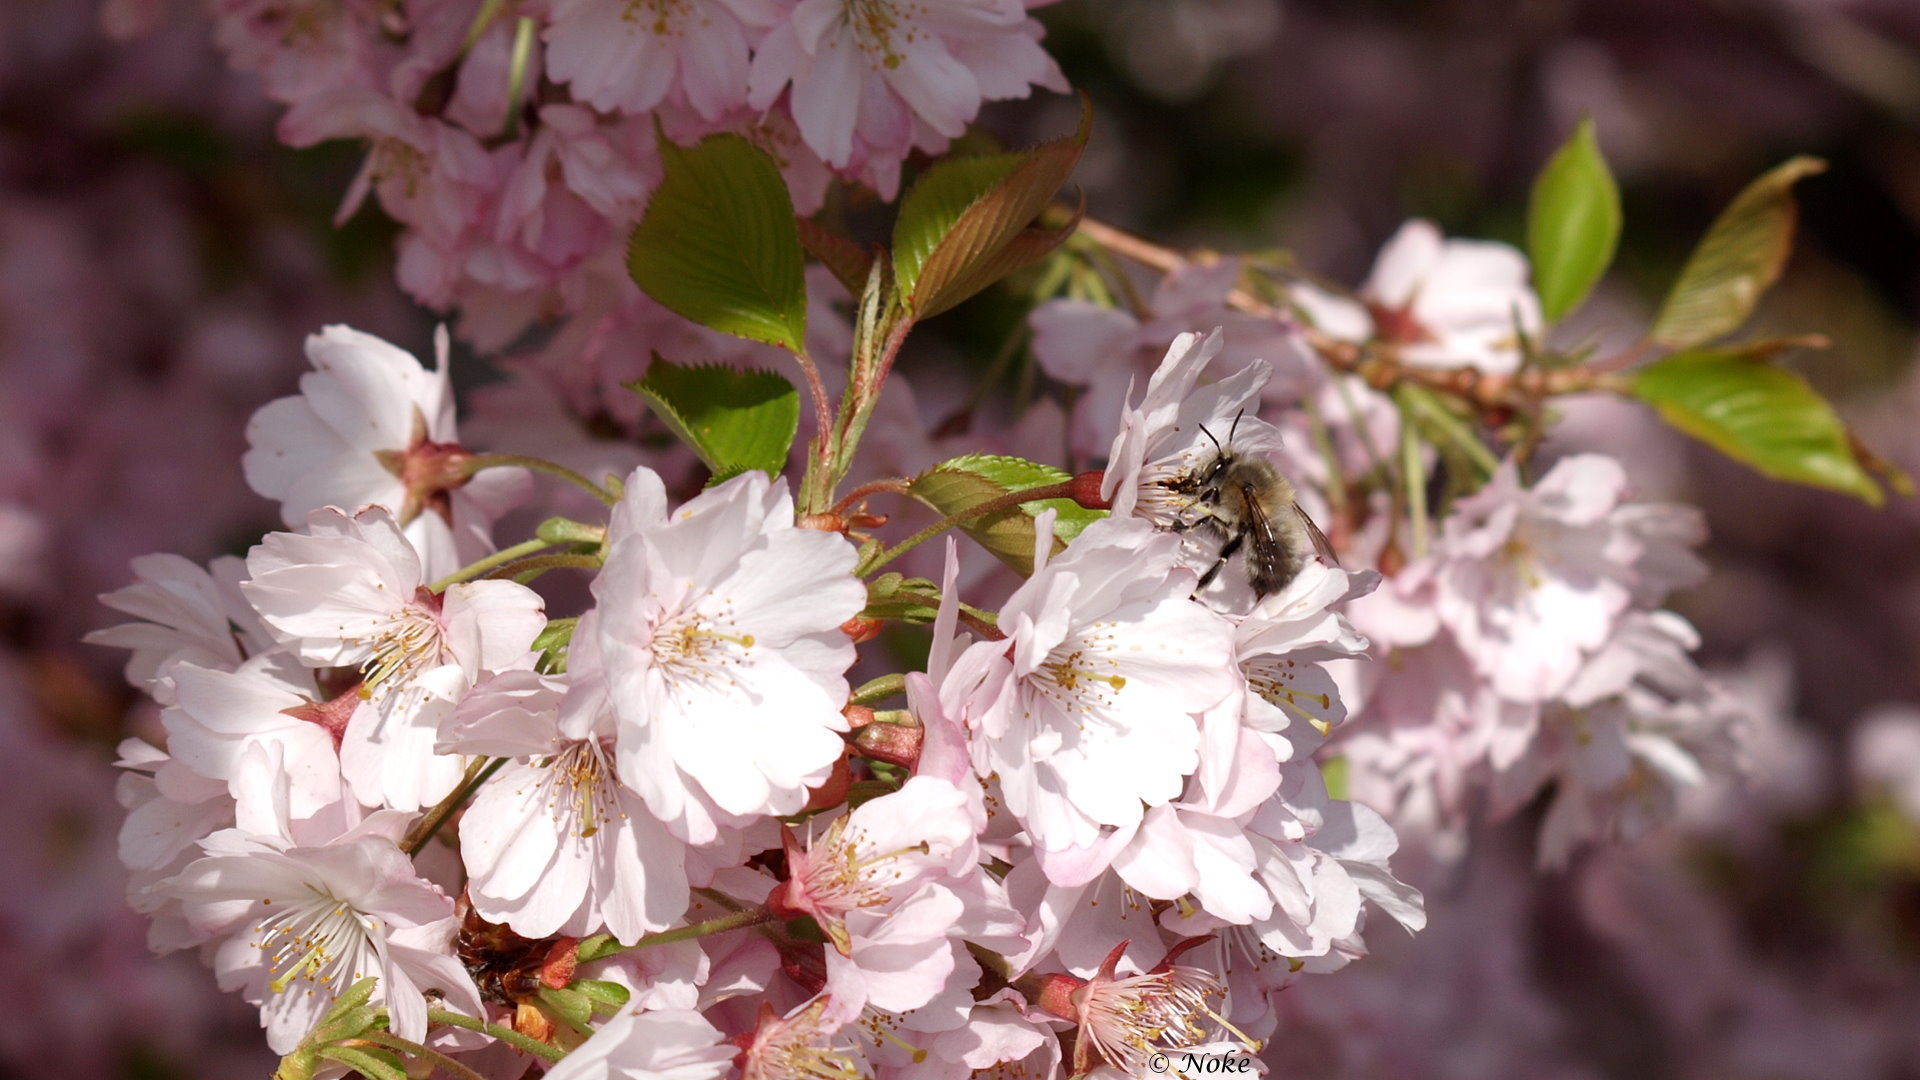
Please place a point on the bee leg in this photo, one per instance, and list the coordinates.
(1226, 552)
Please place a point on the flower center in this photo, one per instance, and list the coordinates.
(841, 876)
(1084, 677)
(875, 22)
(1129, 1019)
(662, 17)
(1272, 678)
(796, 1048)
(695, 645)
(322, 941)
(580, 788)
(407, 644)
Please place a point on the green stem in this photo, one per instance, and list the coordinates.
(498, 558)
(1062, 490)
(422, 833)
(424, 1053)
(605, 945)
(540, 564)
(1421, 400)
(496, 461)
(504, 1034)
(879, 689)
(856, 407)
(1323, 442)
(1413, 474)
(521, 57)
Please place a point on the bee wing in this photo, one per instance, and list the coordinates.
(1266, 556)
(1321, 545)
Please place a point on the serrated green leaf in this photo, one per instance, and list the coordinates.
(371, 1063)
(1573, 223)
(1759, 414)
(735, 420)
(955, 223)
(718, 243)
(1741, 255)
(849, 262)
(1028, 246)
(964, 482)
(935, 204)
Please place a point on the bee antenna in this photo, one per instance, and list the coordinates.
(1236, 425)
(1216, 442)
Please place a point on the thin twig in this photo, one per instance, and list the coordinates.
(1378, 365)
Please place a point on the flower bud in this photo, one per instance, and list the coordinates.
(1086, 490)
(895, 743)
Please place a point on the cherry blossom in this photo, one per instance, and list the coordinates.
(1451, 303)
(720, 629)
(556, 843)
(872, 79)
(1111, 664)
(293, 926)
(632, 57)
(371, 426)
(669, 1043)
(350, 593)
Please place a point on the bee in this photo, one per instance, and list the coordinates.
(1247, 503)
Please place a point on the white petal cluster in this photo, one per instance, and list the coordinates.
(371, 772)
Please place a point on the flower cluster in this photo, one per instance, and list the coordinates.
(517, 143)
(1523, 643)
(1102, 816)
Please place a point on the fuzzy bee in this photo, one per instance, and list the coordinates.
(1246, 502)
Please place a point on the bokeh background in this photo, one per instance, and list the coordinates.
(162, 257)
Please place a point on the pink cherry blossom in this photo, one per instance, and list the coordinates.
(672, 1044)
(350, 593)
(1452, 303)
(1111, 666)
(876, 78)
(291, 927)
(720, 630)
(632, 57)
(371, 426)
(555, 843)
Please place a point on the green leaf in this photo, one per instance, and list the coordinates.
(905, 599)
(964, 482)
(951, 238)
(718, 243)
(847, 259)
(573, 1009)
(597, 947)
(1759, 414)
(606, 996)
(374, 1064)
(1573, 223)
(1737, 260)
(355, 996)
(935, 204)
(735, 420)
